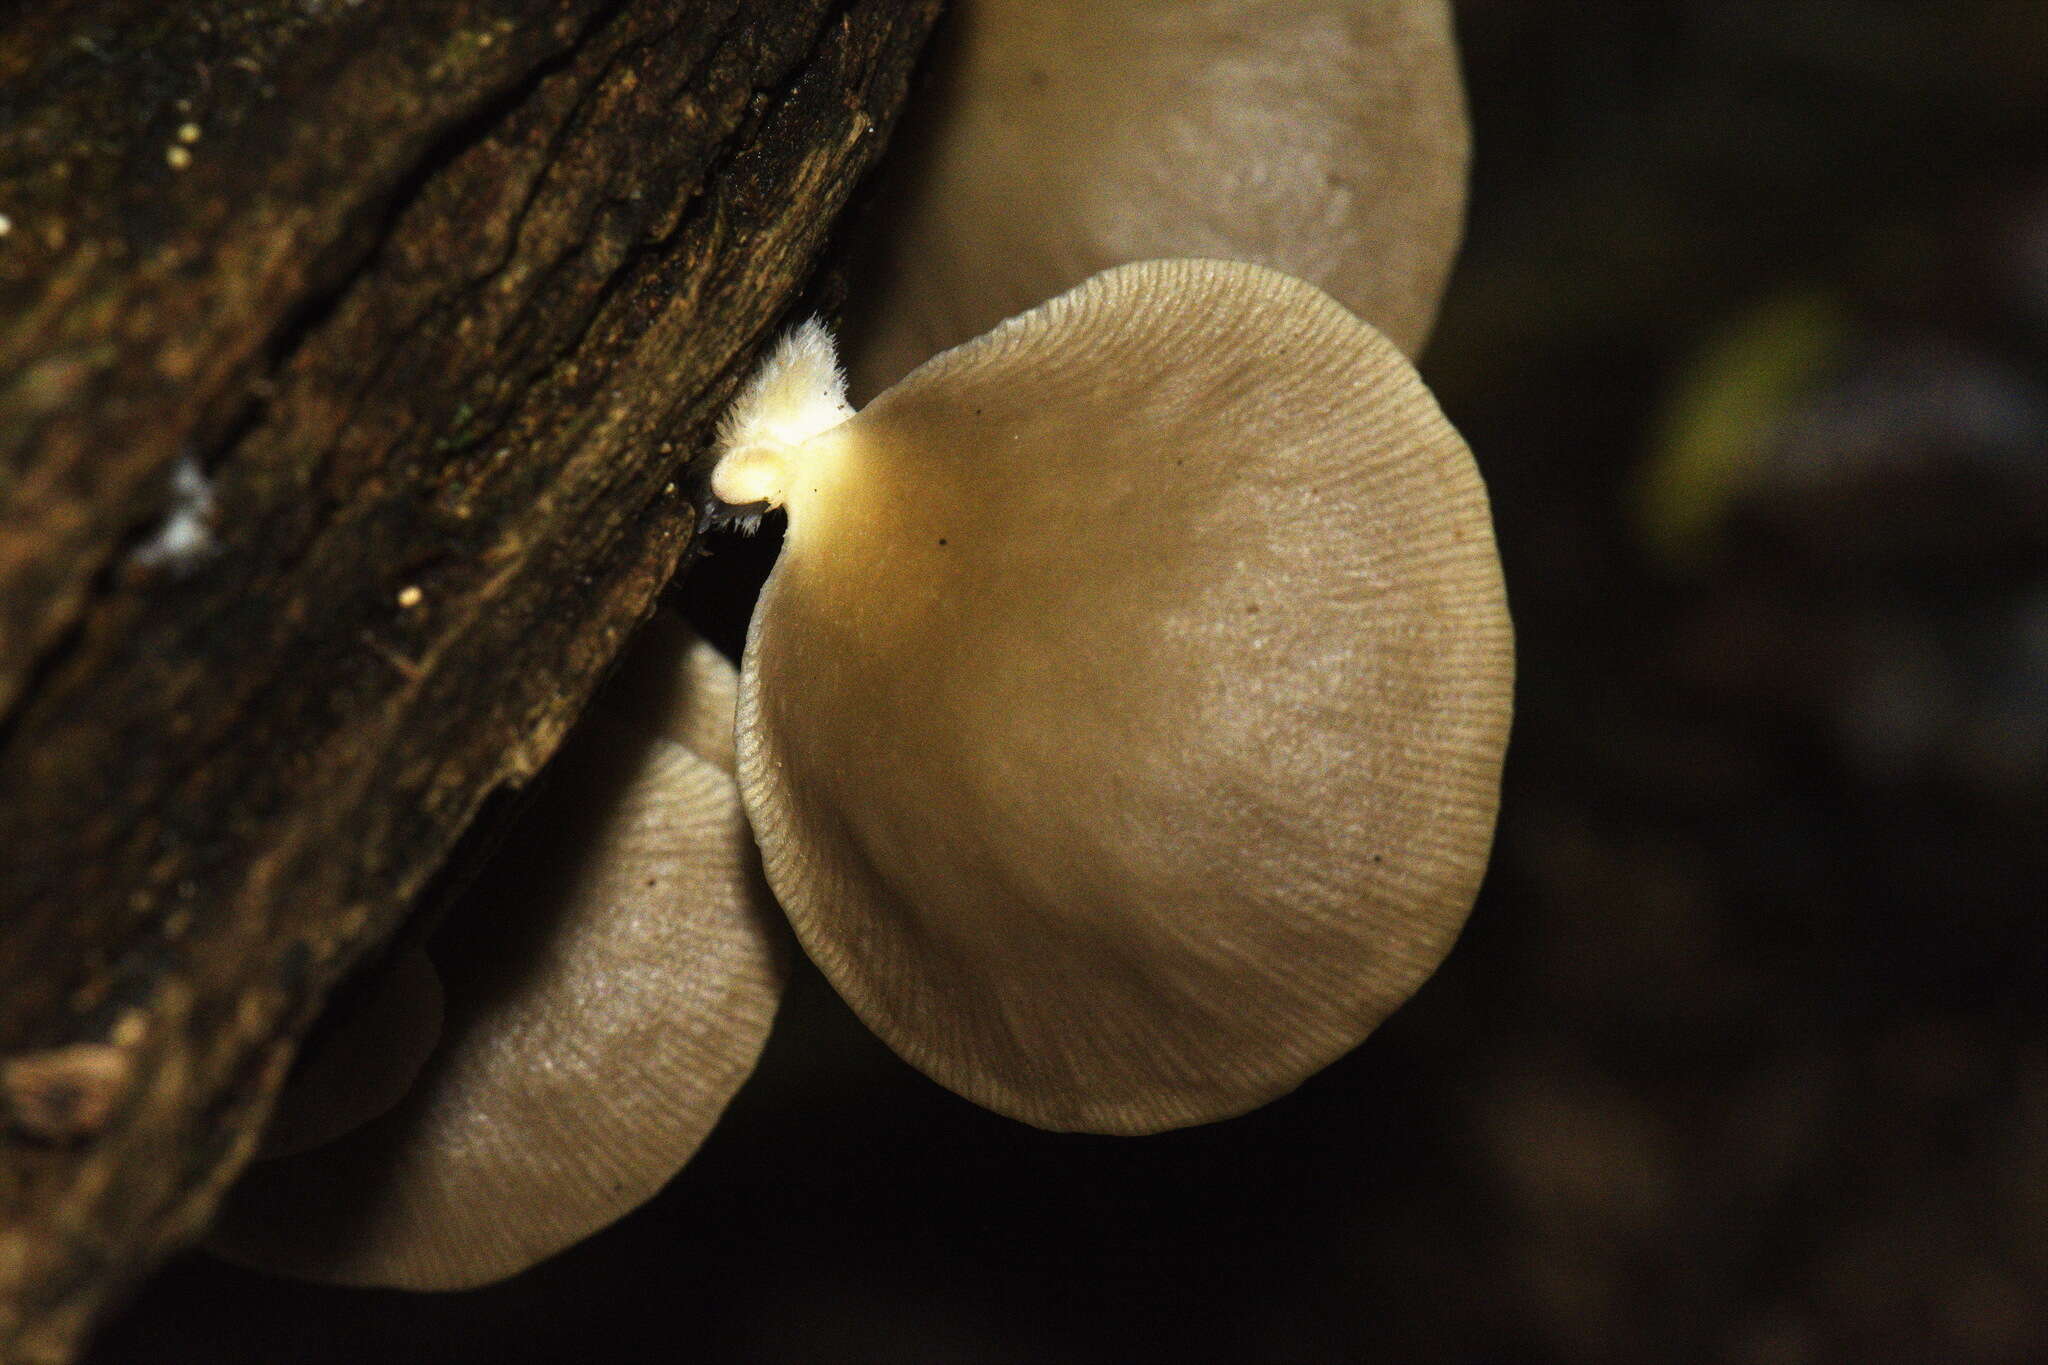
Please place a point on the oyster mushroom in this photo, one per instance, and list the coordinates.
(1121, 729)
(1122, 722)
(615, 993)
(1058, 138)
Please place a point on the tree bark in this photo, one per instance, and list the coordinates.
(351, 353)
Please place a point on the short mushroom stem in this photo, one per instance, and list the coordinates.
(756, 475)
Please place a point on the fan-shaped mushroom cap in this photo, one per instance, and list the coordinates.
(1122, 723)
(1061, 137)
(597, 1025)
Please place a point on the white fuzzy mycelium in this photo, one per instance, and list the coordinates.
(798, 393)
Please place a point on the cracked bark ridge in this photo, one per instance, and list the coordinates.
(350, 351)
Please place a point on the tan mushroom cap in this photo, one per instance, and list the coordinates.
(365, 1063)
(1122, 723)
(598, 1023)
(1058, 138)
(671, 682)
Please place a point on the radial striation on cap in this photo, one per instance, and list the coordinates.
(1057, 138)
(612, 986)
(1122, 725)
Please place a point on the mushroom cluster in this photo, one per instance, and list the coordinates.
(1119, 730)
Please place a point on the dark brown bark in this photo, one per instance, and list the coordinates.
(439, 296)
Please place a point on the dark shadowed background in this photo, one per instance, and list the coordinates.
(1744, 1056)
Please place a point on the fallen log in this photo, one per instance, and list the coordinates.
(351, 353)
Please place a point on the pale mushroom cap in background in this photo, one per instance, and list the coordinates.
(1122, 723)
(1053, 140)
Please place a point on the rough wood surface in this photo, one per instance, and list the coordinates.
(350, 353)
